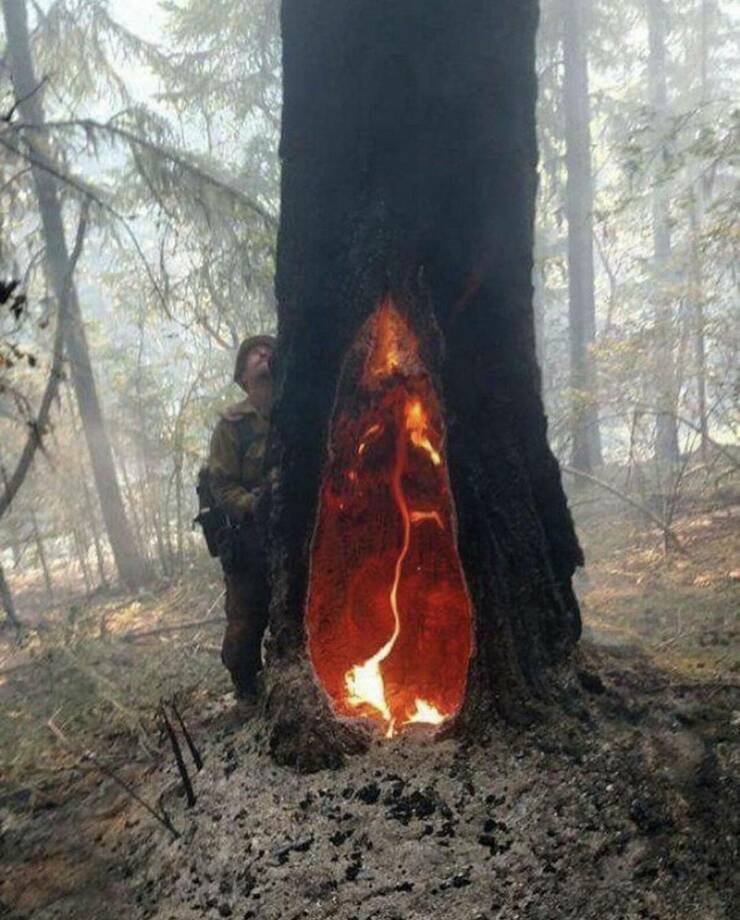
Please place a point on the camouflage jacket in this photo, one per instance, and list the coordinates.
(235, 460)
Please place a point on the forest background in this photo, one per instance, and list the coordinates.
(157, 128)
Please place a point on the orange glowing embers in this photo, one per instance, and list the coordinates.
(388, 615)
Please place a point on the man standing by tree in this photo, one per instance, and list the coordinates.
(235, 466)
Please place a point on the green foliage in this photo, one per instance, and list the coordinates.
(690, 160)
(174, 135)
(178, 263)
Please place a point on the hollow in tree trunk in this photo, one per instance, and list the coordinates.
(414, 497)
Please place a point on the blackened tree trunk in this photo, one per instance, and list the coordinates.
(409, 169)
(585, 432)
(129, 564)
(666, 433)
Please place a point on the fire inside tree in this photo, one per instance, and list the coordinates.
(420, 545)
(388, 616)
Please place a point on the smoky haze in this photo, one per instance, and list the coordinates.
(401, 569)
(161, 126)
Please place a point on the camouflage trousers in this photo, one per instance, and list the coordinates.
(247, 602)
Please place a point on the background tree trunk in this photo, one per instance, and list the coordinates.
(16, 543)
(666, 434)
(409, 168)
(90, 510)
(586, 435)
(41, 554)
(130, 566)
(696, 307)
(702, 191)
(6, 599)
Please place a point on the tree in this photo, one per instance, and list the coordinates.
(586, 446)
(6, 599)
(696, 209)
(182, 235)
(60, 269)
(666, 440)
(223, 86)
(409, 157)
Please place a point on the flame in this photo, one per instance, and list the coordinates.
(419, 516)
(364, 682)
(388, 615)
(417, 423)
(366, 678)
(372, 430)
(387, 355)
(426, 713)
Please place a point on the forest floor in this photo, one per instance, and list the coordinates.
(625, 806)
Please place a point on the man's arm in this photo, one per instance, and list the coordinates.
(225, 467)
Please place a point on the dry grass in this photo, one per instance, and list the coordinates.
(682, 607)
(86, 663)
(99, 667)
(90, 665)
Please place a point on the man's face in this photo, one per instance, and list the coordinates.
(256, 365)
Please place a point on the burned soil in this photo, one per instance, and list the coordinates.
(623, 803)
(625, 807)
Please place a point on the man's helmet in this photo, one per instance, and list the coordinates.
(246, 346)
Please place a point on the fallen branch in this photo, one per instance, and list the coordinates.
(668, 531)
(17, 667)
(194, 752)
(111, 696)
(182, 769)
(90, 757)
(137, 634)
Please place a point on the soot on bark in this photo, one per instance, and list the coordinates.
(420, 545)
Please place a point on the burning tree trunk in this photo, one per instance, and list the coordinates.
(421, 548)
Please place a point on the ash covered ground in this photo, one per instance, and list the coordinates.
(626, 806)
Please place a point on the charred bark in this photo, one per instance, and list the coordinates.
(409, 169)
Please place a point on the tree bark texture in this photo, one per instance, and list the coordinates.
(409, 169)
(586, 434)
(130, 566)
(666, 431)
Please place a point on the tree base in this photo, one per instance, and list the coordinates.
(303, 731)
